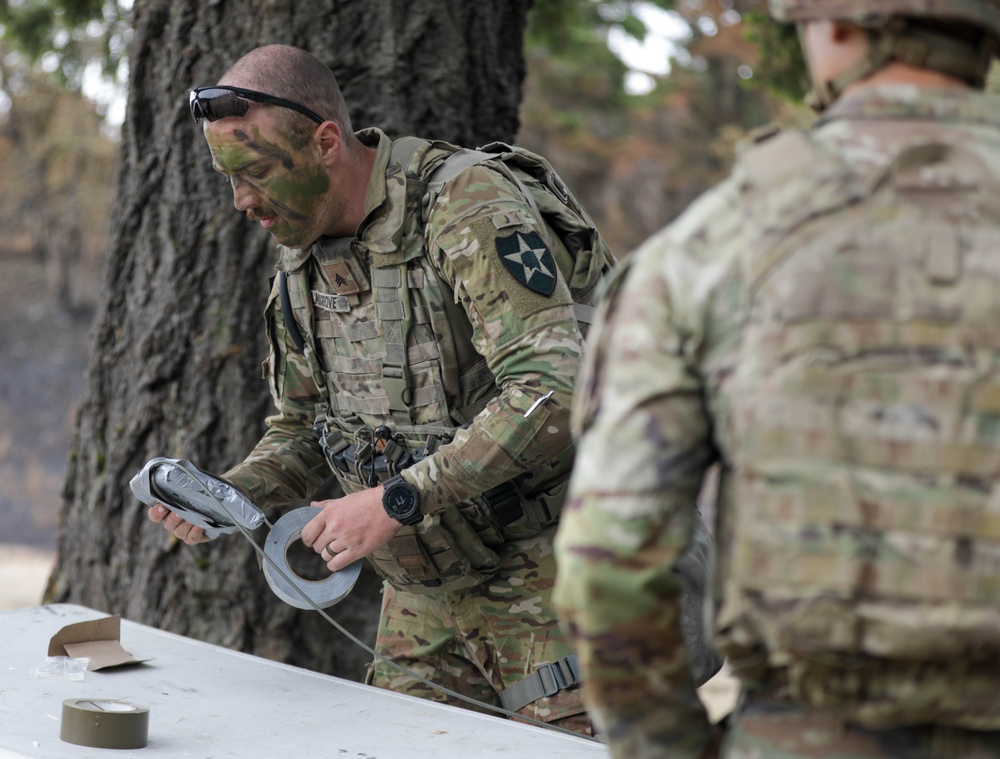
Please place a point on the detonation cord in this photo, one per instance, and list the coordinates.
(293, 581)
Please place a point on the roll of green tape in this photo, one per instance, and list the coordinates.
(104, 723)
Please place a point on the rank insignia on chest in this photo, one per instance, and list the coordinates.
(528, 259)
(341, 277)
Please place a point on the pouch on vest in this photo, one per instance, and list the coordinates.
(443, 552)
(439, 555)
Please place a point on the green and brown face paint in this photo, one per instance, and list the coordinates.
(285, 181)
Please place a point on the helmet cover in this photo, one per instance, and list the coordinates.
(981, 13)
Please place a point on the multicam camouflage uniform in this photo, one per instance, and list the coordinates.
(480, 639)
(822, 324)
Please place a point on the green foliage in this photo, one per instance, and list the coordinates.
(29, 27)
(574, 35)
(781, 67)
(66, 34)
(78, 12)
(571, 28)
(637, 161)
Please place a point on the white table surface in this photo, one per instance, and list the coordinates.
(209, 702)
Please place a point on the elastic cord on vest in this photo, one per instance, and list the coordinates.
(286, 312)
(295, 588)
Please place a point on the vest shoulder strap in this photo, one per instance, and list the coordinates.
(393, 309)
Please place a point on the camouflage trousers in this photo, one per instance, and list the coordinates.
(782, 730)
(482, 640)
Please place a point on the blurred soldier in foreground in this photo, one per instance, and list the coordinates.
(824, 325)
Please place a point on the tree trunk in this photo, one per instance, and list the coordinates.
(178, 340)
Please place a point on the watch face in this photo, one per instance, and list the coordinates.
(400, 500)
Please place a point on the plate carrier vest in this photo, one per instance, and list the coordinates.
(449, 549)
(863, 428)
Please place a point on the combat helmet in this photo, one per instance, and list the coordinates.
(904, 30)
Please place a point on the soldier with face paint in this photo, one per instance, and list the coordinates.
(425, 353)
(823, 325)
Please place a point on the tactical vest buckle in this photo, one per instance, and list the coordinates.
(544, 682)
(504, 502)
(396, 383)
(558, 675)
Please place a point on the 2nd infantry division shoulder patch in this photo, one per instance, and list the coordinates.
(529, 261)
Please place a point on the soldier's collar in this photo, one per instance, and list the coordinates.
(906, 101)
(375, 194)
(385, 202)
(290, 259)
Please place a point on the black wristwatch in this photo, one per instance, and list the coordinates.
(401, 501)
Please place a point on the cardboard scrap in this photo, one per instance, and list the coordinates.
(96, 639)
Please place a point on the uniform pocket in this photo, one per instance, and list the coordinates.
(441, 554)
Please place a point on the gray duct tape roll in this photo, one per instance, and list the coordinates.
(323, 593)
(104, 723)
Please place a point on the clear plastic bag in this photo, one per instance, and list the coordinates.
(62, 668)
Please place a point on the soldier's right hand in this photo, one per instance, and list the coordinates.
(178, 527)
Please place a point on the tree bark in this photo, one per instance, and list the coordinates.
(178, 339)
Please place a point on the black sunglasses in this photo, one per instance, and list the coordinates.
(222, 101)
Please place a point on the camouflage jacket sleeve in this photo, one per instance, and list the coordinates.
(523, 324)
(645, 444)
(287, 463)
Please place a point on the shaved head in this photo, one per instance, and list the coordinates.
(294, 74)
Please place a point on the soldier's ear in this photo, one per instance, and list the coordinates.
(840, 31)
(329, 138)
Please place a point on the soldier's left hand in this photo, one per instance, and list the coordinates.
(349, 528)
